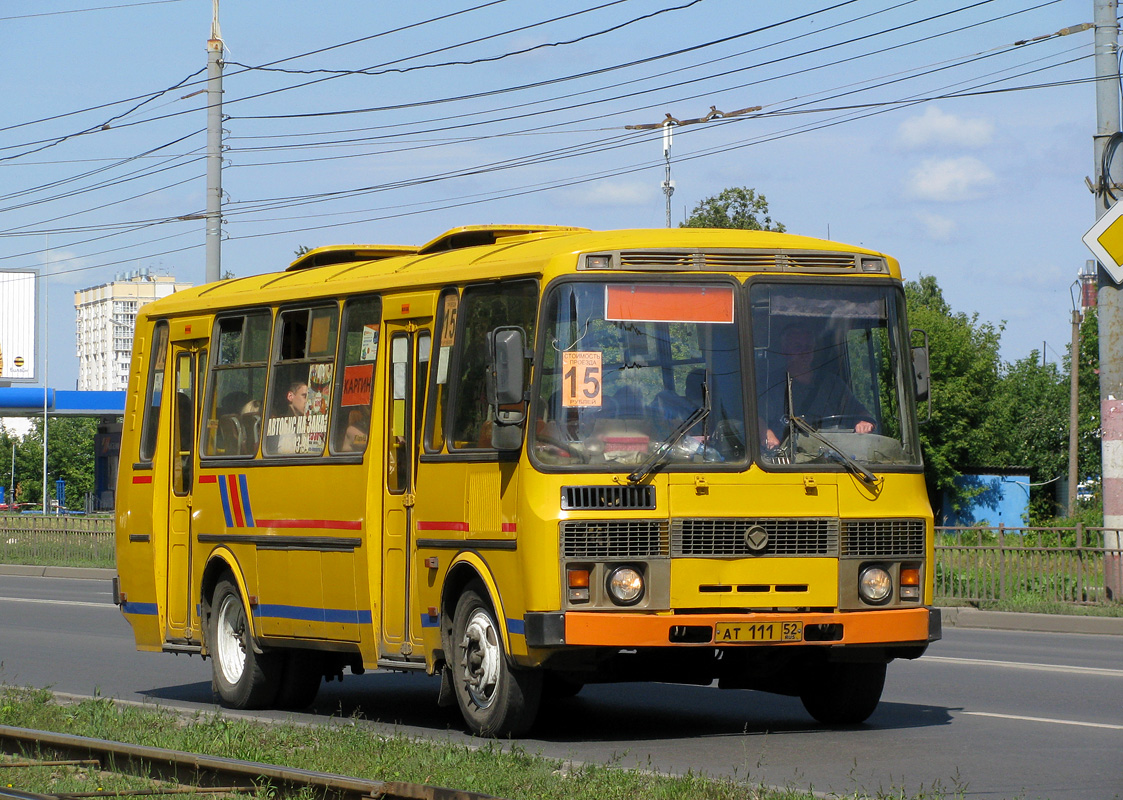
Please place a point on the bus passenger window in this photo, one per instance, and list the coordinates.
(482, 309)
(235, 393)
(155, 390)
(438, 403)
(358, 355)
(301, 385)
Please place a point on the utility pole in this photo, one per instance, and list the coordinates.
(1110, 300)
(214, 151)
(1073, 410)
(668, 184)
(671, 122)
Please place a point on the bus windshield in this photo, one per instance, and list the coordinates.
(832, 383)
(625, 365)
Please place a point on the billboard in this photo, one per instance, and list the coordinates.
(19, 324)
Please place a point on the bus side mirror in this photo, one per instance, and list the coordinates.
(921, 370)
(506, 377)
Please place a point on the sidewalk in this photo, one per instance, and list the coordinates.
(952, 617)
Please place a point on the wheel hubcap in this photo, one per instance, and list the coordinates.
(231, 648)
(480, 658)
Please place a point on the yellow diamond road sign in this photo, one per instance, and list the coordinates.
(1105, 240)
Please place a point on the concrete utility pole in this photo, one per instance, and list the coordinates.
(1073, 410)
(1110, 295)
(668, 184)
(214, 151)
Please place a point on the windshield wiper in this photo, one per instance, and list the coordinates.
(663, 450)
(834, 453)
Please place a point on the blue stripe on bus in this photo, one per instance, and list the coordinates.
(307, 614)
(430, 620)
(246, 500)
(516, 626)
(144, 609)
(225, 501)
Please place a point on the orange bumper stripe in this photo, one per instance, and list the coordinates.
(649, 630)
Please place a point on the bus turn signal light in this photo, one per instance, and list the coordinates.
(910, 583)
(578, 580)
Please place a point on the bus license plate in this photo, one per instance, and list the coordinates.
(758, 632)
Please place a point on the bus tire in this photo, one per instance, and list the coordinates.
(300, 680)
(495, 698)
(243, 678)
(843, 693)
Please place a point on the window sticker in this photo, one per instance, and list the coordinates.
(369, 350)
(448, 323)
(357, 383)
(581, 379)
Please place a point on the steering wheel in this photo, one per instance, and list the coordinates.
(840, 422)
(565, 447)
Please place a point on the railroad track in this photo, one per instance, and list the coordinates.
(208, 773)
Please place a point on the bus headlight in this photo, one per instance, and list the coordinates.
(625, 585)
(875, 585)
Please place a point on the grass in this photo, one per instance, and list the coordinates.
(1034, 604)
(353, 748)
(347, 747)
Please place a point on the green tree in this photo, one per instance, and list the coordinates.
(1030, 410)
(1089, 431)
(70, 456)
(965, 369)
(735, 207)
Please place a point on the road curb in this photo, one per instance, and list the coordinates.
(1020, 621)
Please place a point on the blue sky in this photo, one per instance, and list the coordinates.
(902, 126)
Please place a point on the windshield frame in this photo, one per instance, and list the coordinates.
(546, 326)
(904, 378)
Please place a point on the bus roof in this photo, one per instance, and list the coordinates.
(457, 256)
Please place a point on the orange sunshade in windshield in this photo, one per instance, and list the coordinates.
(668, 302)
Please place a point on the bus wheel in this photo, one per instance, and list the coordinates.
(300, 682)
(243, 678)
(495, 698)
(843, 694)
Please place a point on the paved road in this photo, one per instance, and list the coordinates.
(989, 713)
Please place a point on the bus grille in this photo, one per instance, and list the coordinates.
(593, 498)
(728, 537)
(883, 537)
(618, 538)
(737, 260)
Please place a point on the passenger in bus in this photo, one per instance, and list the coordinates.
(286, 432)
(358, 425)
(819, 394)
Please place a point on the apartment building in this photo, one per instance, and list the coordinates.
(106, 317)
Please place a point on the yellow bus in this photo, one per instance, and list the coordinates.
(525, 459)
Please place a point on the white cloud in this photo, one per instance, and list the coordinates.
(607, 193)
(935, 128)
(66, 267)
(936, 227)
(949, 180)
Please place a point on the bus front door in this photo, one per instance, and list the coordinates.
(408, 347)
(186, 359)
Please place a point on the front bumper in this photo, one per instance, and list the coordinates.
(908, 626)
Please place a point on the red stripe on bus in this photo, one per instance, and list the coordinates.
(509, 527)
(142, 479)
(323, 524)
(235, 501)
(208, 479)
(442, 526)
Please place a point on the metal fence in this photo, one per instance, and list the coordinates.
(73, 541)
(1066, 565)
